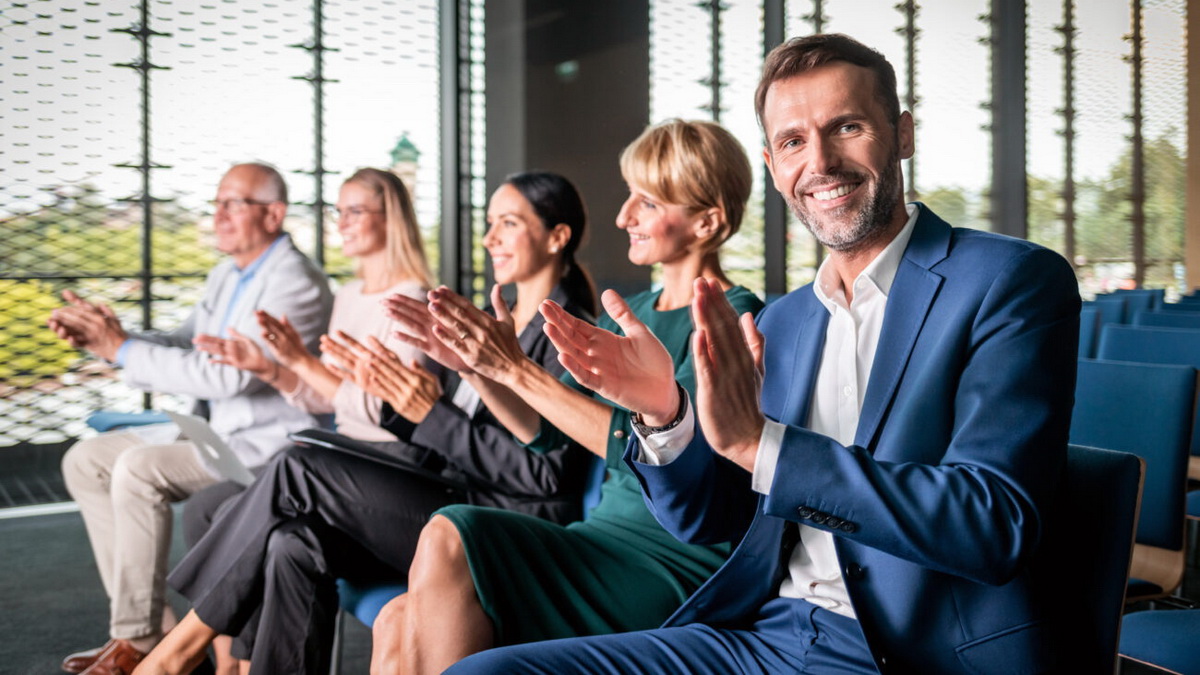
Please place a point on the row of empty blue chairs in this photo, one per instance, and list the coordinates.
(1141, 397)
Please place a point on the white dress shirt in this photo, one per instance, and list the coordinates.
(845, 368)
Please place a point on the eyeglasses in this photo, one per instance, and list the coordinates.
(352, 213)
(235, 206)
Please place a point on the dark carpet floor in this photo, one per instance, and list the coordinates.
(52, 604)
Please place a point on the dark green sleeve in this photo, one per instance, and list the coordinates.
(548, 435)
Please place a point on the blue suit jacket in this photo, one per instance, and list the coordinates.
(939, 504)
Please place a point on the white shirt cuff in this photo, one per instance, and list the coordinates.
(769, 446)
(663, 447)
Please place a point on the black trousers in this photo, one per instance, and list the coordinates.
(265, 569)
(203, 507)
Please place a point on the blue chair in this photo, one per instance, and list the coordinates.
(1142, 298)
(364, 602)
(1153, 319)
(1184, 305)
(1146, 409)
(1089, 332)
(1112, 308)
(1090, 541)
(1168, 640)
(1156, 345)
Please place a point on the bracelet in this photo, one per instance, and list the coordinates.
(646, 431)
(274, 373)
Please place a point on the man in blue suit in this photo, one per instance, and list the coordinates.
(884, 445)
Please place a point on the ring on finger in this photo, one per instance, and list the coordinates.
(271, 337)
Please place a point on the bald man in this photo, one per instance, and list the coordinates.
(125, 481)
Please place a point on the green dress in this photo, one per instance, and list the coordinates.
(617, 571)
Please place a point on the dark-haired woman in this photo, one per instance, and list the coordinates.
(483, 577)
(269, 562)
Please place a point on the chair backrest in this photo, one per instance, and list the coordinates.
(1152, 319)
(1112, 308)
(1089, 332)
(1090, 543)
(1142, 298)
(1179, 346)
(1184, 305)
(1145, 409)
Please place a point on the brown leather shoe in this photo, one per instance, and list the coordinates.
(79, 661)
(120, 658)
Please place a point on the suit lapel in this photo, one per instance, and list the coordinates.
(808, 345)
(909, 301)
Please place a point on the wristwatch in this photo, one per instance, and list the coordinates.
(646, 431)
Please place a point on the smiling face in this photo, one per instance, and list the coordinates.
(518, 242)
(835, 157)
(246, 220)
(658, 232)
(362, 222)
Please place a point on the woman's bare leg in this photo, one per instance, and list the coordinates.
(181, 650)
(443, 620)
(387, 636)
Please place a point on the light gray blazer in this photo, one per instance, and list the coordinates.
(248, 413)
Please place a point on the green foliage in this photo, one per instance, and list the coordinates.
(79, 234)
(30, 350)
(1045, 212)
(950, 203)
(1103, 229)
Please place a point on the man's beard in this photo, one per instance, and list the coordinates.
(867, 224)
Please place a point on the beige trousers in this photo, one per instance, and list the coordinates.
(124, 488)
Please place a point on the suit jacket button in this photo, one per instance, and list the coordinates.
(854, 572)
(820, 518)
(805, 512)
(848, 527)
(833, 522)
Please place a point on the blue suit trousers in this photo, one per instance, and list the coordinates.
(788, 636)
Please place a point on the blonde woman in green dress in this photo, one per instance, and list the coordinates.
(482, 577)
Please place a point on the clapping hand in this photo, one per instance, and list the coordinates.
(728, 354)
(347, 354)
(487, 345)
(410, 389)
(90, 326)
(238, 351)
(282, 339)
(417, 331)
(634, 371)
